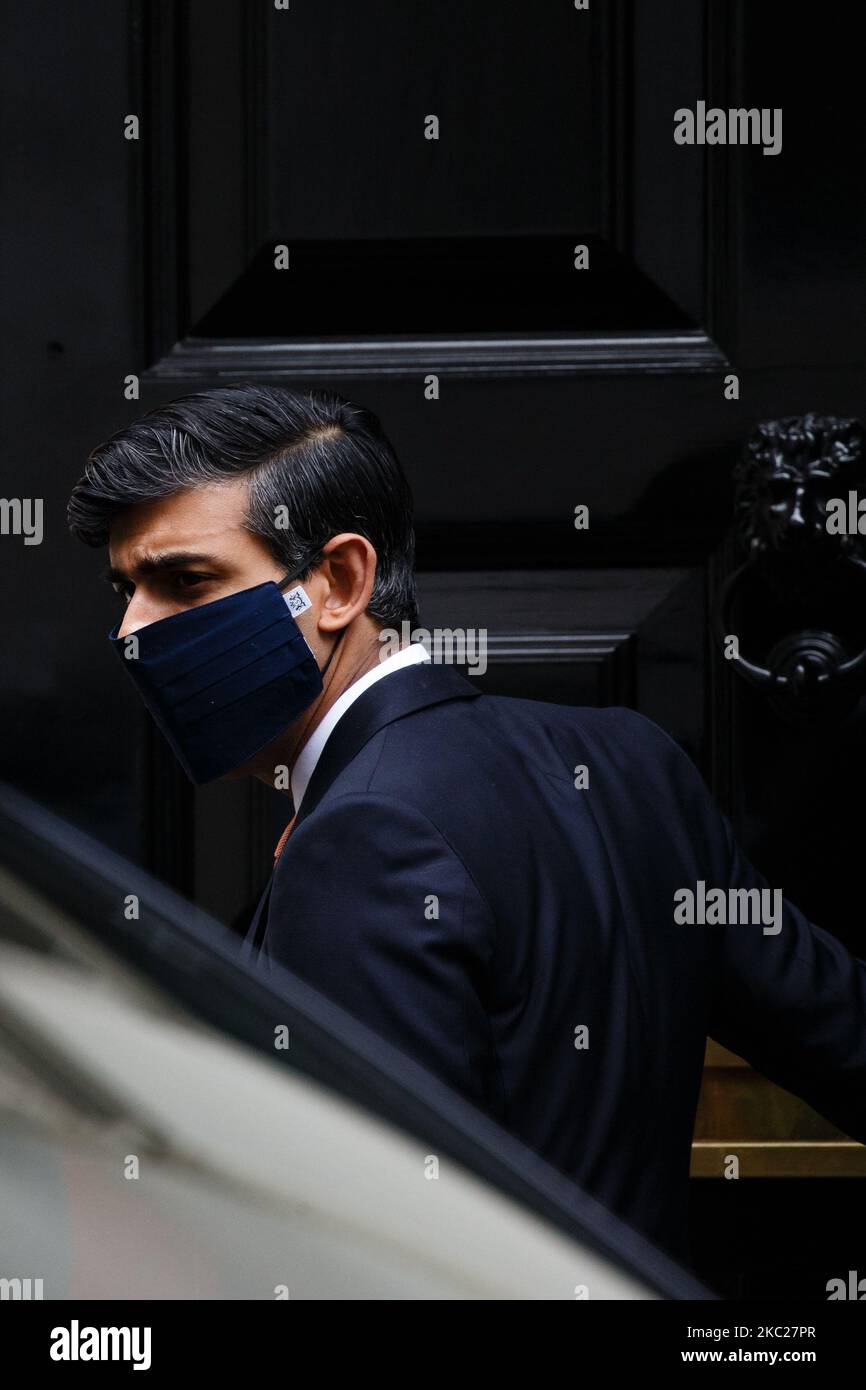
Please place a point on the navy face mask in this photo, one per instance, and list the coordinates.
(225, 679)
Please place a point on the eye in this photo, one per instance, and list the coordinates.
(186, 580)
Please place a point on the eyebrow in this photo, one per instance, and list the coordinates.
(152, 564)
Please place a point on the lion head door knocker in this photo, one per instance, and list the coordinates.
(802, 588)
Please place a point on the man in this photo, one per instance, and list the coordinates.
(496, 886)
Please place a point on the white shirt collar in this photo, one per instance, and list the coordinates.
(312, 749)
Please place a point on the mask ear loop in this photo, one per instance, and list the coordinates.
(333, 651)
(287, 579)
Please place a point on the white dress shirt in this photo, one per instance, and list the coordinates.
(312, 749)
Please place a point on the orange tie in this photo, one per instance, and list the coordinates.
(282, 840)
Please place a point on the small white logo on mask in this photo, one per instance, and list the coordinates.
(298, 601)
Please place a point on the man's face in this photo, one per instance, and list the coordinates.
(184, 550)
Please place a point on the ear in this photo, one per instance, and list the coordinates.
(348, 569)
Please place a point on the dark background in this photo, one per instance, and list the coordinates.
(557, 387)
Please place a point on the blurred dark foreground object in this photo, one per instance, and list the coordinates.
(173, 1126)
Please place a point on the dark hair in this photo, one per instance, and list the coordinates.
(324, 460)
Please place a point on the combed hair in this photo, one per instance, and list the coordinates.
(324, 460)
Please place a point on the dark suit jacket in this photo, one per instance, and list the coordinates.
(448, 884)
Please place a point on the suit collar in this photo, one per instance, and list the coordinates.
(400, 693)
(305, 763)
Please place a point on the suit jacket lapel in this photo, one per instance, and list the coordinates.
(392, 697)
